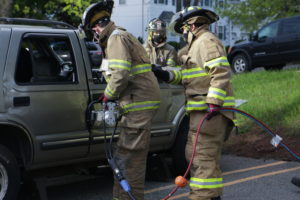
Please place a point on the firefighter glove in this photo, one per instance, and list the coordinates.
(213, 110)
(160, 73)
(103, 98)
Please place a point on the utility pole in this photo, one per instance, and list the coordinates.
(143, 2)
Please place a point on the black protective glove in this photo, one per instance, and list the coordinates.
(160, 73)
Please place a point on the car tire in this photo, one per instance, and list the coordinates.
(274, 67)
(240, 64)
(9, 175)
(179, 162)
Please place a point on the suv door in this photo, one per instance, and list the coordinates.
(46, 93)
(265, 51)
(288, 40)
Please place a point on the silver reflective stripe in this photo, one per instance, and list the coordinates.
(192, 73)
(138, 69)
(216, 93)
(206, 183)
(141, 106)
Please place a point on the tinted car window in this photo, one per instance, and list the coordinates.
(291, 26)
(45, 60)
(268, 31)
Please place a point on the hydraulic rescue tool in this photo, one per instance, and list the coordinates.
(181, 181)
(109, 116)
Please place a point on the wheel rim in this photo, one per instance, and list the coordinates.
(240, 65)
(3, 181)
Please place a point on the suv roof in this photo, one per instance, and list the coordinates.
(36, 22)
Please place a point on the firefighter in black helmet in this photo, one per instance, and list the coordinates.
(206, 78)
(134, 85)
(159, 51)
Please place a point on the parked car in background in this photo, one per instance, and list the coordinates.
(271, 47)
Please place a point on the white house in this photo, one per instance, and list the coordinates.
(134, 15)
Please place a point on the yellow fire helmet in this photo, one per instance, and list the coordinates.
(95, 13)
(192, 14)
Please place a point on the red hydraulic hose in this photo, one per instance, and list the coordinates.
(260, 123)
(192, 157)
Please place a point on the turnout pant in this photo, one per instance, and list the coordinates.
(131, 152)
(206, 177)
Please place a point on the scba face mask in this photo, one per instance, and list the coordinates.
(158, 37)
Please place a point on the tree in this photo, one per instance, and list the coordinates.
(69, 11)
(5, 7)
(252, 14)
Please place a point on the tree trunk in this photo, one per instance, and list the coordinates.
(5, 7)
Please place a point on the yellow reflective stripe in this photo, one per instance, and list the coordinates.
(206, 183)
(229, 101)
(170, 62)
(221, 61)
(177, 78)
(196, 105)
(206, 179)
(216, 93)
(192, 73)
(236, 122)
(109, 92)
(207, 186)
(121, 64)
(145, 105)
(138, 69)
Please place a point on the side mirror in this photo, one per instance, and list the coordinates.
(262, 39)
(253, 36)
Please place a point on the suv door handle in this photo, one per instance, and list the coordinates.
(21, 101)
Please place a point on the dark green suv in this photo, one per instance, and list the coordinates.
(271, 47)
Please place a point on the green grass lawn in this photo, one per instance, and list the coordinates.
(273, 97)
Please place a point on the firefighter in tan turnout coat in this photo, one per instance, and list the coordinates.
(206, 78)
(158, 50)
(133, 83)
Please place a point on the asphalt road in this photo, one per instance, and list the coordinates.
(245, 179)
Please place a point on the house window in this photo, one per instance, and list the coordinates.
(155, 1)
(161, 1)
(221, 32)
(166, 2)
(221, 4)
(208, 3)
(122, 2)
(46, 60)
(173, 2)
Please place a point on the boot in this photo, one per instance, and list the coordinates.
(296, 181)
(216, 198)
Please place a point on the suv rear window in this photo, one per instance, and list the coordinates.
(45, 60)
(290, 26)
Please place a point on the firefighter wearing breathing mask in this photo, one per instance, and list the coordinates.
(158, 50)
(206, 78)
(134, 85)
